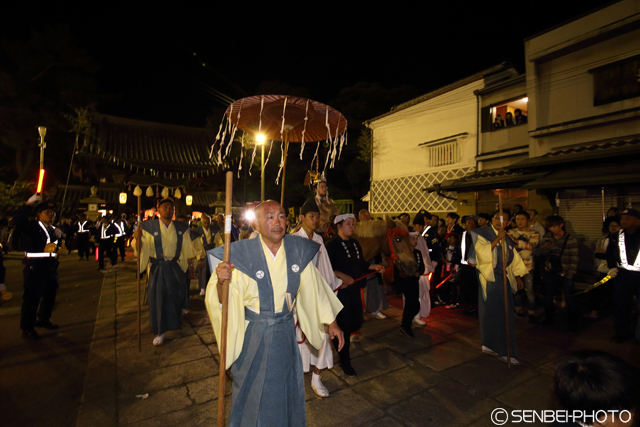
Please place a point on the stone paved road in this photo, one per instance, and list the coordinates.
(440, 378)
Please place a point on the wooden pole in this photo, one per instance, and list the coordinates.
(503, 244)
(224, 300)
(604, 214)
(138, 244)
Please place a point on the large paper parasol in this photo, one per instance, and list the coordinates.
(286, 119)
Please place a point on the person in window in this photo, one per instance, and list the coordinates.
(519, 117)
(508, 120)
(498, 122)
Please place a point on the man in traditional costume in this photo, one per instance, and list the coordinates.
(323, 357)
(167, 249)
(327, 208)
(374, 298)
(486, 253)
(269, 276)
(204, 243)
(347, 259)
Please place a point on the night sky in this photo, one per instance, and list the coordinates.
(146, 54)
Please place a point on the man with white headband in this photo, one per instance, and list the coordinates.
(347, 259)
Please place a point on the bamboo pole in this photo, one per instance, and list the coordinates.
(503, 244)
(138, 244)
(224, 300)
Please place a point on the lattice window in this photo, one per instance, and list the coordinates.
(447, 153)
(405, 193)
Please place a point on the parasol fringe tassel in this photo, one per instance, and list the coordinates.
(304, 130)
(341, 144)
(335, 145)
(327, 159)
(233, 135)
(260, 118)
(281, 161)
(284, 109)
(268, 155)
(241, 154)
(253, 157)
(315, 155)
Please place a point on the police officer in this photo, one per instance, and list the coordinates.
(121, 235)
(105, 236)
(623, 258)
(82, 236)
(40, 241)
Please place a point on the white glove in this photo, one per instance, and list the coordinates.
(34, 199)
(613, 272)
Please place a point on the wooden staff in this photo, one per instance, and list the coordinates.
(503, 243)
(138, 244)
(224, 300)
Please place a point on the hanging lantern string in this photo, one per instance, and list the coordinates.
(260, 117)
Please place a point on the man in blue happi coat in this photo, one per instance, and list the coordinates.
(268, 276)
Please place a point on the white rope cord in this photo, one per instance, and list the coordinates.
(241, 154)
(315, 155)
(304, 130)
(335, 145)
(268, 155)
(260, 118)
(281, 161)
(235, 129)
(284, 109)
(253, 157)
(342, 142)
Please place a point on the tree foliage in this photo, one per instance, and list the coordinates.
(41, 79)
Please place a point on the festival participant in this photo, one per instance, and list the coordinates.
(374, 298)
(487, 251)
(204, 243)
(349, 264)
(323, 357)
(167, 248)
(527, 241)
(40, 243)
(424, 286)
(409, 286)
(328, 209)
(267, 276)
(623, 257)
(467, 275)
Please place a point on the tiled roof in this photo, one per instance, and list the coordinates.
(595, 147)
(139, 144)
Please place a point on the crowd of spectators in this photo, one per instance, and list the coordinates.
(517, 118)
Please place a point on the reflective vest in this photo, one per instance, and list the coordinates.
(81, 228)
(623, 255)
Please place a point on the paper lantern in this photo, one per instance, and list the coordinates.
(123, 198)
(189, 200)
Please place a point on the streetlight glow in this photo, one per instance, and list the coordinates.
(260, 138)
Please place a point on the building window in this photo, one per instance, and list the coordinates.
(506, 114)
(446, 153)
(617, 81)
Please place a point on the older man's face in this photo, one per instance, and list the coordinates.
(271, 221)
(206, 221)
(499, 225)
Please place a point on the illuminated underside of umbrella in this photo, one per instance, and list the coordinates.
(286, 119)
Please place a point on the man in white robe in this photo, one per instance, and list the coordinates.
(321, 358)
